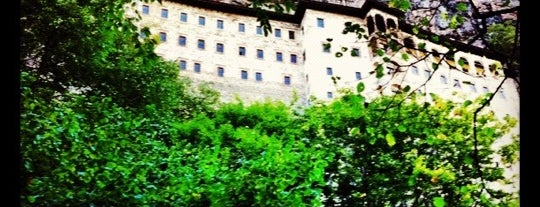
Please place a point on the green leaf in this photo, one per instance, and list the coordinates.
(379, 52)
(439, 202)
(421, 45)
(386, 59)
(402, 128)
(435, 66)
(461, 61)
(380, 71)
(354, 131)
(407, 88)
(405, 56)
(360, 87)
(467, 103)
(390, 139)
(462, 7)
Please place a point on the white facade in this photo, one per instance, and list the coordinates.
(303, 35)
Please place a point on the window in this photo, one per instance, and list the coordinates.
(456, 83)
(326, 47)
(182, 41)
(220, 71)
(241, 27)
(329, 71)
(145, 9)
(501, 93)
(220, 24)
(163, 36)
(279, 56)
(219, 47)
(443, 79)
(320, 22)
(329, 94)
(293, 58)
(358, 76)
(202, 21)
(291, 35)
(355, 52)
(260, 54)
(242, 51)
(472, 87)
(258, 76)
(183, 17)
(427, 73)
(182, 65)
(259, 30)
(244, 75)
(414, 70)
(287, 80)
(486, 90)
(197, 67)
(277, 33)
(200, 44)
(164, 13)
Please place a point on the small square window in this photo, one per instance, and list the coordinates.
(197, 67)
(164, 13)
(183, 17)
(182, 64)
(259, 30)
(241, 27)
(320, 22)
(443, 79)
(258, 76)
(287, 80)
(145, 9)
(414, 70)
(355, 52)
(219, 47)
(427, 73)
(293, 58)
(472, 87)
(279, 57)
(291, 35)
(220, 71)
(220, 24)
(202, 21)
(277, 33)
(260, 54)
(486, 89)
(329, 71)
(242, 51)
(456, 83)
(329, 94)
(244, 75)
(163, 36)
(358, 76)
(326, 48)
(200, 44)
(501, 93)
(182, 41)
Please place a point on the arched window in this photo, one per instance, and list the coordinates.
(379, 21)
(370, 25)
(391, 24)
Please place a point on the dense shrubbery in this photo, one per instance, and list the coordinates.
(141, 137)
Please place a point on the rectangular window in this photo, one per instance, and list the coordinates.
(501, 93)
(145, 9)
(456, 83)
(258, 76)
(358, 76)
(197, 67)
(329, 94)
(414, 70)
(220, 71)
(329, 71)
(279, 56)
(219, 47)
(220, 24)
(244, 75)
(427, 73)
(202, 21)
(242, 51)
(182, 41)
(472, 87)
(326, 48)
(443, 79)
(287, 80)
(163, 36)
(277, 33)
(164, 13)
(182, 65)
(486, 90)
(291, 35)
(260, 54)
(320, 22)
(241, 27)
(259, 30)
(183, 17)
(355, 52)
(293, 58)
(200, 44)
